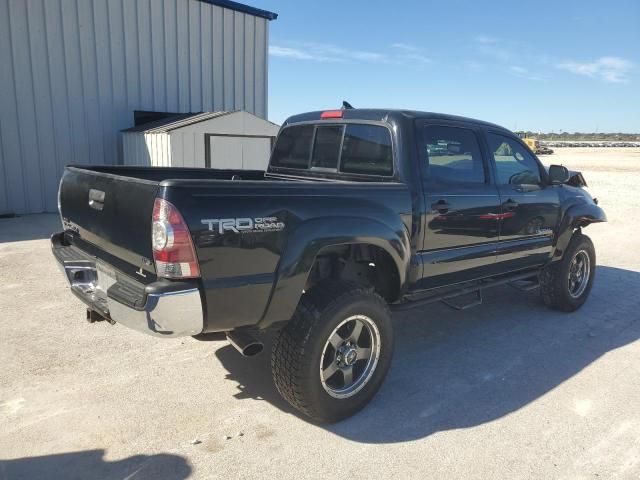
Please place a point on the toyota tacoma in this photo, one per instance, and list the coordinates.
(360, 212)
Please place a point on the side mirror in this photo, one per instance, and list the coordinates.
(558, 174)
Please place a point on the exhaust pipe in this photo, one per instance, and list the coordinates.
(247, 345)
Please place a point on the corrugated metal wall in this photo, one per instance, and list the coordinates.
(145, 150)
(73, 71)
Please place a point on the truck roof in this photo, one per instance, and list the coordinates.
(382, 114)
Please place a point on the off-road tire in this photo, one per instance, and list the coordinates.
(554, 279)
(298, 349)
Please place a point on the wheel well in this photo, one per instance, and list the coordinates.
(364, 264)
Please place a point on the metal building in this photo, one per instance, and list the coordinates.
(211, 139)
(73, 72)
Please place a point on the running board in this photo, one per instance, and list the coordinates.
(416, 301)
(473, 303)
(529, 285)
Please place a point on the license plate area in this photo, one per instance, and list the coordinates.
(106, 278)
(91, 281)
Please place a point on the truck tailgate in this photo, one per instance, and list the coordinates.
(111, 213)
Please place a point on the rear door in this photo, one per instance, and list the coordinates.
(530, 208)
(462, 205)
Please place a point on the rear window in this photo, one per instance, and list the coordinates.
(367, 150)
(364, 150)
(326, 148)
(293, 147)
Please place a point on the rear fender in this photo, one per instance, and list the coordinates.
(300, 254)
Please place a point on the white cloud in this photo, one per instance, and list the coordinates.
(493, 47)
(404, 54)
(297, 54)
(609, 69)
(406, 47)
(410, 53)
(414, 58)
(324, 53)
(522, 72)
(473, 65)
(484, 39)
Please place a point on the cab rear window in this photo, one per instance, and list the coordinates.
(293, 147)
(351, 148)
(326, 148)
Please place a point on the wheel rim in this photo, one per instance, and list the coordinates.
(350, 356)
(579, 271)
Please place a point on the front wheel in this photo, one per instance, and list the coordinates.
(332, 357)
(566, 284)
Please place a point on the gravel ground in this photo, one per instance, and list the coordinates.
(506, 390)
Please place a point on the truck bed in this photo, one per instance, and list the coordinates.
(159, 174)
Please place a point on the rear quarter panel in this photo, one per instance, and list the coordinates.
(256, 277)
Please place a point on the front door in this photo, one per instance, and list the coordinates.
(462, 206)
(530, 208)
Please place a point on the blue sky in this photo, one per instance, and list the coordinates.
(541, 66)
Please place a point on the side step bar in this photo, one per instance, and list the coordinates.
(464, 306)
(419, 300)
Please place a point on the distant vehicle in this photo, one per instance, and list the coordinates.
(360, 212)
(535, 145)
(543, 150)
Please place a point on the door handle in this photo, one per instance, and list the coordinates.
(510, 204)
(441, 206)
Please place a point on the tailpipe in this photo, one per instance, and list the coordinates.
(247, 345)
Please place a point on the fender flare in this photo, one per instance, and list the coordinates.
(576, 216)
(300, 254)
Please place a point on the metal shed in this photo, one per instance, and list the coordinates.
(211, 139)
(73, 72)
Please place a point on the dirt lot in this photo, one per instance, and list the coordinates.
(506, 390)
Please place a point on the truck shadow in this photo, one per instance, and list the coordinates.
(455, 370)
(29, 227)
(90, 465)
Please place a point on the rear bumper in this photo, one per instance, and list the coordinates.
(163, 308)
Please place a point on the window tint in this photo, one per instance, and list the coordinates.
(367, 150)
(453, 155)
(326, 148)
(293, 147)
(514, 164)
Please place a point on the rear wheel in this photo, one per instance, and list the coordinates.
(566, 284)
(334, 354)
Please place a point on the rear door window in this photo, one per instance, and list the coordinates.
(293, 147)
(326, 147)
(367, 150)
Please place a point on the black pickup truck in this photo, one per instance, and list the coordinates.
(360, 212)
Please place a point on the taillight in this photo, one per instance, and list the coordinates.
(173, 249)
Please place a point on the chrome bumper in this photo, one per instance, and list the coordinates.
(168, 314)
(173, 314)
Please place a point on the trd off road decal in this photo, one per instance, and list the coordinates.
(241, 225)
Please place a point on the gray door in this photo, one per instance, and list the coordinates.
(237, 152)
(224, 152)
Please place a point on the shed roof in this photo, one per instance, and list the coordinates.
(176, 121)
(241, 7)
